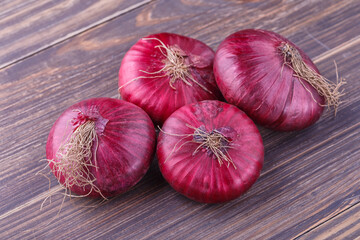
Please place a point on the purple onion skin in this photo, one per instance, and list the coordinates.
(250, 72)
(126, 143)
(199, 176)
(155, 95)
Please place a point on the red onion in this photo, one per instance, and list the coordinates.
(101, 147)
(210, 151)
(272, 80)
(165, 71)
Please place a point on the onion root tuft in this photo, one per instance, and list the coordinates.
(175, 67)
(74, 158)
(214, 142)
(326, 88)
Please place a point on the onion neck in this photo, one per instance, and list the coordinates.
(92, 115)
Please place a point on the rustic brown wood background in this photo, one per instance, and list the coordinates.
(56, 53)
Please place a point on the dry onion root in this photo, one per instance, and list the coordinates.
(74, 159)
(214, 142)
(326, 88)
(175, 67)
(73, 162)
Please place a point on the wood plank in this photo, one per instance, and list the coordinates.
(28, 27)
(299, 185)
(292, 196)
(287, 192)
(346, 225)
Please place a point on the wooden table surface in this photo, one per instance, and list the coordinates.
(56, 53)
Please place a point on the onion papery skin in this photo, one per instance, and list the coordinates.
(153, 93)
(125, 145)
(250, 72)
(199, 176)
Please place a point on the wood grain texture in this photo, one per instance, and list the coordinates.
(345, 225)
(28, 27)
(310, 180)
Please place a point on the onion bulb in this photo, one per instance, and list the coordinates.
(101, 147)
(210, 151)
(165, 71)
(272, 80)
